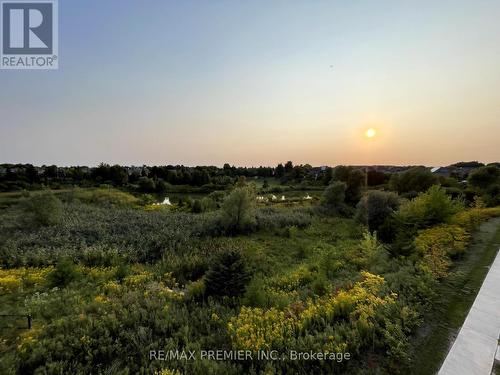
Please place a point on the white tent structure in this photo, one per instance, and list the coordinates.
(166, 202)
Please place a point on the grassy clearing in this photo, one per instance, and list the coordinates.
(455, 297)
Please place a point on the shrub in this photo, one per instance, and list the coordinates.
(203, 205)
(255, 295)
(64, 273)
(470, 219)
(228, 275)
(257, 329)
(197, 207)
(99, 256)
(122, 271)
(9, 284)
(436, 245)
(217, 196)
(106, 197)
(375, 207)
(429, 208)
(195, 290)
(46, 209)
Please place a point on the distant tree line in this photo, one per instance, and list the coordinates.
(149, 179)
(406, 181)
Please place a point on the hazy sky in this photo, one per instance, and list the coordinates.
(261, 82)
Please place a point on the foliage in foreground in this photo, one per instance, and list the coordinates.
(118, 280)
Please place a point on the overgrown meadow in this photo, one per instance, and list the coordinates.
(107, 276)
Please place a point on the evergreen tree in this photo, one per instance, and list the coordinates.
(228, 276)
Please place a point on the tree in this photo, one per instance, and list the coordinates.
(327, 176)
(356, 181)
(241, 182)
(147, 185)
(485, 181)
(162, 186)
(280, 170)
(118, 175)
(288, 168)
(51, 171)
(375, 178)
(341, 173)
(334, 195)
(413, 181)
(238, 210)
(375, 208)
(31, 174)
(228, 275)
(483, 177)
(467, 164)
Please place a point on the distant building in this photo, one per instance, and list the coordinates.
(442, 171)
(460, 173)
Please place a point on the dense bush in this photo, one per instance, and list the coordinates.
(203, 205)
(429, 208)
(46, 208)
(273, 218)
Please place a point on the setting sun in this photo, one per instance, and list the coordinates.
(370, 133)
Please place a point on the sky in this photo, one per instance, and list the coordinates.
(261, 82)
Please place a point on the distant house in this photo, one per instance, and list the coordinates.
(460, 173)
(442, 171)
(318, 171)
(140, 171)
